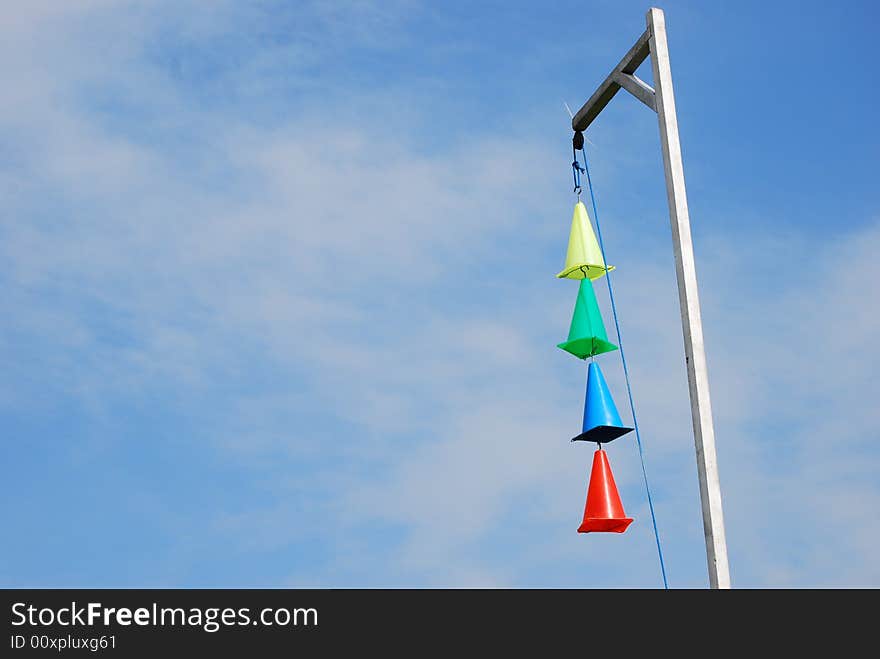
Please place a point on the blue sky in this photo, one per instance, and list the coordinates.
(279, 305)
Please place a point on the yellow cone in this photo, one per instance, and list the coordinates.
(584, 258)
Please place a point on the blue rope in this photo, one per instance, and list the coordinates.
(632, 406)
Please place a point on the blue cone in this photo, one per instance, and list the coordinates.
(601, 421)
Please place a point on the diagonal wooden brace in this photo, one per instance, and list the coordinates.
(623, 76)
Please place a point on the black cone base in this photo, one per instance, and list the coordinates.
(602, 434)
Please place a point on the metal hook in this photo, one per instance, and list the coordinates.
(576, 170)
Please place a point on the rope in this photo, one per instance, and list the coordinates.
(632, 406)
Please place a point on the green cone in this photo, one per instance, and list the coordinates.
(587, 335)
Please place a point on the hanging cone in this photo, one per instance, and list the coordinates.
(586, 336)
(603, 512)
(584, 257)
(601, 421)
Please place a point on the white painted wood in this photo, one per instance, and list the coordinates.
(689, 301)
(637, 87)
(610, 86)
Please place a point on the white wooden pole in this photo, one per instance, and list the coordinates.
(662, 100)
(689, 300)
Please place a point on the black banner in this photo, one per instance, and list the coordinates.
(130, 623)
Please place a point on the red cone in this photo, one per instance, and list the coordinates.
(603, 512)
